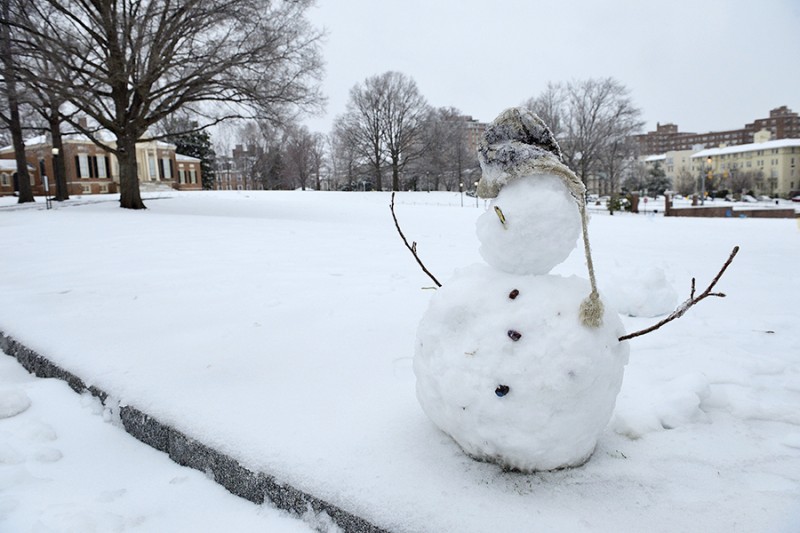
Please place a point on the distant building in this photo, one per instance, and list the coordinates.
(92, 170)
(775, 164)
(782, 123)
(475, 131)
(238, 172)
(675, 163)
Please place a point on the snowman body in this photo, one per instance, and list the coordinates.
(504, 363)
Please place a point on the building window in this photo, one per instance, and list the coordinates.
(193, 175)
(102, 170)
(4, 180)
(152, 167)
(87, 189)
(166, 168)
(82, 166)
(104, 188)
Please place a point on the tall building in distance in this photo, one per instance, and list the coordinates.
(782, 123)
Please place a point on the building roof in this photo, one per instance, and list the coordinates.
(74, 138)
(10, 165)
(187, 158)
(767, 145)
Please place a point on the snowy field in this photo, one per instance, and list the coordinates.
(279, 328)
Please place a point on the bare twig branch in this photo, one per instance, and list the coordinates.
(681, 310)
(411, 247)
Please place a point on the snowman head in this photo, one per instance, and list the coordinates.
(540, 226)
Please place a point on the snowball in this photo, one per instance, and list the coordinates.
(505, 367)
(13, 402)
(643, 293)
(542, 224)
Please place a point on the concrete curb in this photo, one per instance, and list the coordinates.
(256, 487)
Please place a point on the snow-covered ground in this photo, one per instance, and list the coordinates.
(279, 328)
(64, 469)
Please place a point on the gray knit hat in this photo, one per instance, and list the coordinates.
(518, 143)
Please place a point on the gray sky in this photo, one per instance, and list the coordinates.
(705, 65)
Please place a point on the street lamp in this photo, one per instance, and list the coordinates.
(476, 193)
(707, 177)
(46, 183)
(59, 189)
(461, 190)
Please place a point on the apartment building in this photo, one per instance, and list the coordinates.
(774, 164)
(782, 123)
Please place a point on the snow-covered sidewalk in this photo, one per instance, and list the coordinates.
(64, 468)
(279, 328)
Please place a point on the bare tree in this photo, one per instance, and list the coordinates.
(592, 120)
(550, 106)
(318, 157)
(11, 115)
(738, 181)
(345, 164)
(684, 183)
(384, 122)
(446, 158)
(403, 114)
(299, 155)
(128, 64)
(361, 126)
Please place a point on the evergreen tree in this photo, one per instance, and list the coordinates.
(198, 144)
(657, 180)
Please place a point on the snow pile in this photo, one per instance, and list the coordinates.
(645, 407)
(505, 367)
(643, 292)
(13, 402)
(539, 229)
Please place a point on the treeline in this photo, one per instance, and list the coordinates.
(390, 138)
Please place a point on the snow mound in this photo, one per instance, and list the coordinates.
(643, 408)
(542, 225)
(642, 293)
(13, 402)
(505, 367)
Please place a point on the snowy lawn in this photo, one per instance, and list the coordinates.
(279, 328)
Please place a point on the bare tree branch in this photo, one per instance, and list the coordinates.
(412, 247)
(681, 310)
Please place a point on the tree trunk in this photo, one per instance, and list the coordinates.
(378, 179)
(59, 168)
(395, 175)
(14, 124)
(129, 195)
(23, 178)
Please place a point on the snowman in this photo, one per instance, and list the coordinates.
(519, 366)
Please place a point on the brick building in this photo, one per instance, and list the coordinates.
(92, 170)
(782, 123)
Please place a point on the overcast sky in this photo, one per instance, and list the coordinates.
(705, 65)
